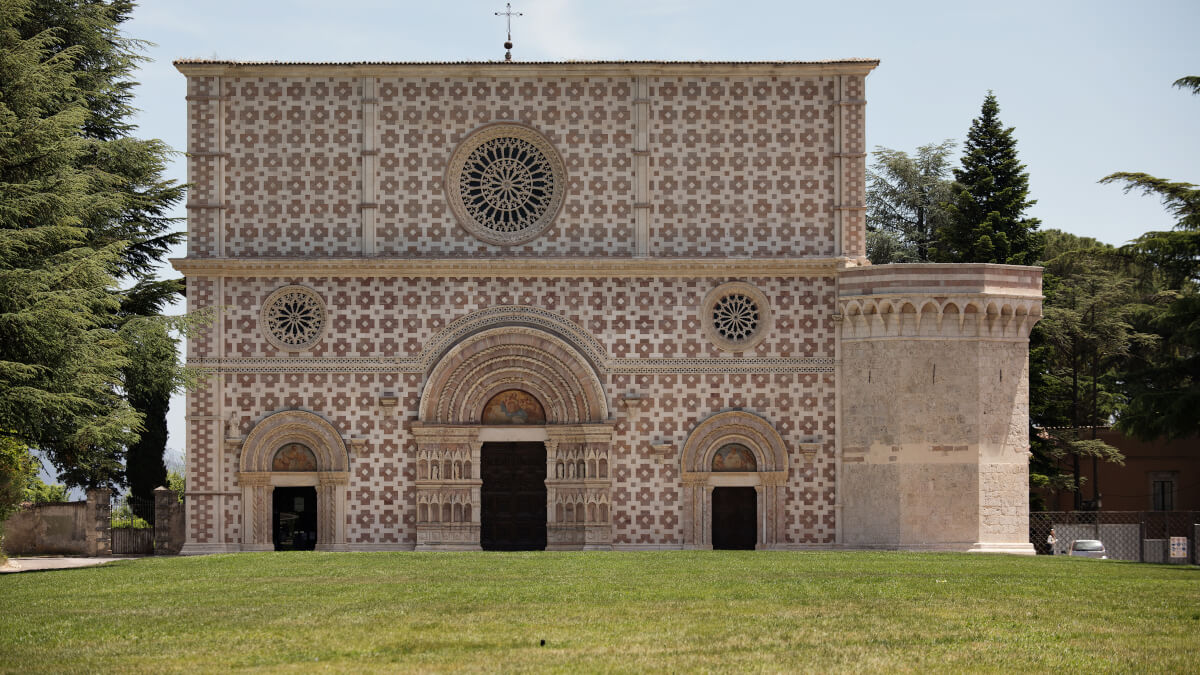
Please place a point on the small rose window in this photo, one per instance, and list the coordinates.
(736, 316)
(293, 318)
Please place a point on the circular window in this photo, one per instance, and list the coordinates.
(736, 316)
(294, 318)
(505, 184)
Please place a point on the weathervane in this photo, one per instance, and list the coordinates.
(508, 14)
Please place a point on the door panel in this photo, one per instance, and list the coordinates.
(513, 515)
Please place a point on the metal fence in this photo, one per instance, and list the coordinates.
(132, 525)
(1144, 536)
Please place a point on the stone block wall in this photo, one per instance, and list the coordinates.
(763, 160)
(935, 405)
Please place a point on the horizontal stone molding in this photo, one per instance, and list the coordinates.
(510, 69)
(553, 268)
(940, 279)
(683, 366)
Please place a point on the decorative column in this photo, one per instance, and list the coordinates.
(331, 511)
(368, 205)
(257, 509)
(693, 510)
(578, 488)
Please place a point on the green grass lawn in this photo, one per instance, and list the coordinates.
(730, 611)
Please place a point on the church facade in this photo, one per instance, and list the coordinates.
(609, 305)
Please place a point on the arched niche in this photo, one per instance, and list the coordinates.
(708, 462)
(293, 448)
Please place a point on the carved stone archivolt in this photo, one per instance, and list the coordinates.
(506, 184)
(323, 462)
(513, 357)
(533, 366)
(704, 460)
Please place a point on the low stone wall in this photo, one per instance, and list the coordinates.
(43, 529)
(85, 528)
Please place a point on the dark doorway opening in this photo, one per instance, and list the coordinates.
(295, 519)
(513, 495)
(734, 518)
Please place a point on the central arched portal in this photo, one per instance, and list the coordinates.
(513, 446)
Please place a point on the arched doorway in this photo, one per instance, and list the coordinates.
(734, 466)
(515, 402)
(734, 509)
(294, 509)
(512, 512)
(293, 471)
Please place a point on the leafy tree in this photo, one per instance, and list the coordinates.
(1163, 384)
(177, 483)
(17, 469)
(60, 362)
(906, 198)
(128, 213)
(1081, 345)
(39, 492)
(986, 215)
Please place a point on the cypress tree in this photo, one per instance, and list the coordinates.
(986, 215)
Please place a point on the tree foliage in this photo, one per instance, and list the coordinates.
(987, 220)
(1163, 384)
(60, 362)
(906, 202)
(17, 469)
(1078, 351)
(39, 492)
(84, 210)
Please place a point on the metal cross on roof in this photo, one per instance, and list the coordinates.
(508, 14)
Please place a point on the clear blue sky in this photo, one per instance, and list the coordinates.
(1085, 84)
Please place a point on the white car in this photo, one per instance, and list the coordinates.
(1088, 548)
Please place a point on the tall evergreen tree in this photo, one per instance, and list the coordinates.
(1164, 383)
(1082, 341)
(60, 360)
(138, 216)
(987, 214)
(906, 198)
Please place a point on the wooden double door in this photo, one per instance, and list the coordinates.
(513, 495)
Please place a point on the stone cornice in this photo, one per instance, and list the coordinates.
(205, 68)
(510, 267)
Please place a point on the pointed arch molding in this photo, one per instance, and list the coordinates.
(487, 362)
(294, 426)
(768, 480)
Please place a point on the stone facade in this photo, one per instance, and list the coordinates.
(668, 257)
